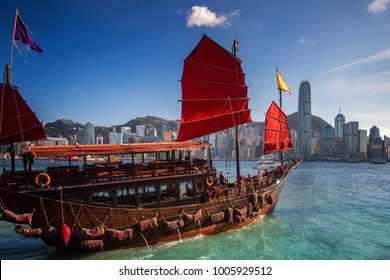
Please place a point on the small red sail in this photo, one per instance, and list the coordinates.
(18, 122)
(214, 93)
(277, 133)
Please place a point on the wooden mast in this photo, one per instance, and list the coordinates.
(235, 49)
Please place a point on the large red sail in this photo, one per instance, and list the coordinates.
(277, 133)
(18, 122)
(214, 93)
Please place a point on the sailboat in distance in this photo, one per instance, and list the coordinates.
(175, 195)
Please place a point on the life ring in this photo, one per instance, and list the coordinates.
(42, 179)
(209, 181)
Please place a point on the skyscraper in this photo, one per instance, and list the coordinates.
(375, 137)
(304, 119)
(327, 140)
(339, 122)
(89, 133)
(351, 138)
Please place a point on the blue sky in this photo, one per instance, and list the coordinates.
(108, 62)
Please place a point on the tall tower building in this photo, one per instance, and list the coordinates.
(89, 133)
(351, 138)
(339, 122)
(375, 137)
(327, 140)
(304, 119)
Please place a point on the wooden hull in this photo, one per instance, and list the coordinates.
(52, 213)
(97, 227)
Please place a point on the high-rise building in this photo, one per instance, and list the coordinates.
(376, 146)
(328, 134)
(89, 133)
(339, 122)
(363, 143)
(304, 119)
(351, 138)
(375, 137)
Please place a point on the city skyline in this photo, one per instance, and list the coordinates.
(108, 63)
(348, 141)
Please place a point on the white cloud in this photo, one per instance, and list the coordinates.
(378, 6)
(383, 55)
(202, 16)
(306, 41)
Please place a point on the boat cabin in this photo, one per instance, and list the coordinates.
(172, 174)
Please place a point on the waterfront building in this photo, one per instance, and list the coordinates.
(376, 146)
(89, 133)
(374, 137)
(363, 143)
(304, 120)
(152, 132)
(327, 140)
(140, 130)
(129, 137)
(99, 140)
(115, 138)
(168, 136)
(375, 151)
(125, 129)
(315, 146)
(294, 142)
(338, 146)
(351, 138)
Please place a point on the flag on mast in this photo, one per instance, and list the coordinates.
(21, 34)
(281, 83)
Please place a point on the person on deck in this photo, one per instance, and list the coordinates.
(281, 170)
(259, 177)
(222, 180)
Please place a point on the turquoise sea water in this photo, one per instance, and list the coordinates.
(327, 211)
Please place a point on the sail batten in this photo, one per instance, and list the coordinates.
(215, 67)
(214, 92)
(277, 132)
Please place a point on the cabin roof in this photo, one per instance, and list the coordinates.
(113, 149)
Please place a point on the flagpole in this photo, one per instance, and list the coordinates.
(280, 103)
(13, 43)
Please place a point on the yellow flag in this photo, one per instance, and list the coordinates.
(281, 83)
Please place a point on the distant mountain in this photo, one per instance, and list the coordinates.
(67, 128)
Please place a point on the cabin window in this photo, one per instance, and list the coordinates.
(147, 194)
(186, 189)
(127, 197)
(199, 187)
(168, 191)
(102, 197)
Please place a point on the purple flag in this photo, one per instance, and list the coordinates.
(21, 34)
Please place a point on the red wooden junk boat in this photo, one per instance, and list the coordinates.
(140, 203)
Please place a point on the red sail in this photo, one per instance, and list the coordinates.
(18, 122)
(214, 94)
(277, 133)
